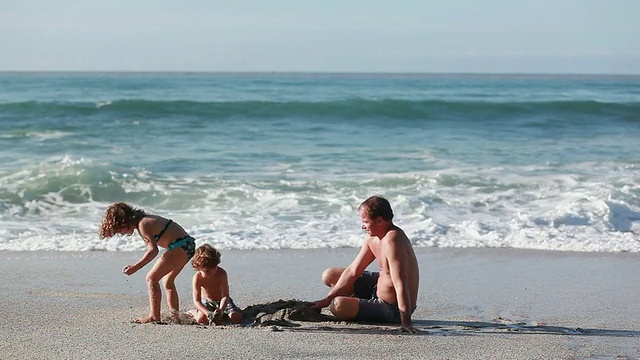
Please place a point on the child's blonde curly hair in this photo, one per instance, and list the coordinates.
(118, 216)
(206, 257)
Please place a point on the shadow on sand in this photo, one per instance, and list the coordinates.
(295, 315)
(466, 328)
(506, 326)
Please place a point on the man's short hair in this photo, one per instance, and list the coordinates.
(377, 206)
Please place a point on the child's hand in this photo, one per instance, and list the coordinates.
(217, 313)
(215, 317)
(129, 269)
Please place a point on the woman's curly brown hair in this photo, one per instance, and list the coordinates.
(206, 257)
(117, 216)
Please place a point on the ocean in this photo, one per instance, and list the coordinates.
(277, 161)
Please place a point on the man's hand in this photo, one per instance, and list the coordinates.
(408, 329)
(320, 304)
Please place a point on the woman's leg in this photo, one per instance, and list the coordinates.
(171, 262)
(170, 286)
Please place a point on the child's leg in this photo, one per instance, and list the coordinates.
(235, 317)
(170, 261)
(199, 316)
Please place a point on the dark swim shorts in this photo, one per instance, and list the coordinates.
(372, 309)
(212, 305)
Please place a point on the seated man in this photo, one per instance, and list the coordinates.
(387, 296)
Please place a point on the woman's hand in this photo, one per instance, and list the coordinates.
(129, 269)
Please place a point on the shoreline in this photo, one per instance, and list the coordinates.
(473, 303)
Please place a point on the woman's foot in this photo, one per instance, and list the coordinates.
(175, 317)
(145, 320)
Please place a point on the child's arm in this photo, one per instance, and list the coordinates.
(224, 291)
(152, 252)
(197, 295)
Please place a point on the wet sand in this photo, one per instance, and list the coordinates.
(473, 304)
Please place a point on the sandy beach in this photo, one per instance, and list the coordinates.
(473, 304)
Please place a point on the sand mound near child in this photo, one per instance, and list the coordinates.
(282, 313)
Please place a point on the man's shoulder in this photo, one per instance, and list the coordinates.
(395, 233)
(394, 236)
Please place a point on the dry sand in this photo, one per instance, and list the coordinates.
(473, 304)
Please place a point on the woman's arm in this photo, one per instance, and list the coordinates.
(152, 252)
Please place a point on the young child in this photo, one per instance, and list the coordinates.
(211, 289)
(156, 231)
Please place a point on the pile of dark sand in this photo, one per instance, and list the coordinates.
(286, 313)
(282, 313)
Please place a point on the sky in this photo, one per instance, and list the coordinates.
(414, 36)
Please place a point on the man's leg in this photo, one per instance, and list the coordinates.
(345, 307)
(331, 275)
(376, 311)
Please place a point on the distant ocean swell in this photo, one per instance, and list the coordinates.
(344, 109)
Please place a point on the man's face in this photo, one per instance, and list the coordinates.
(368, 224)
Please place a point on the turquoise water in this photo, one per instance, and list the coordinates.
(283, 160)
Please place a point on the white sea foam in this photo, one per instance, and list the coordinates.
(465, 209)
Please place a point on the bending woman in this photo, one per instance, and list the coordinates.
(156, 231)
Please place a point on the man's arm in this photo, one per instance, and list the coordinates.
(395, 253)
(344, 285)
